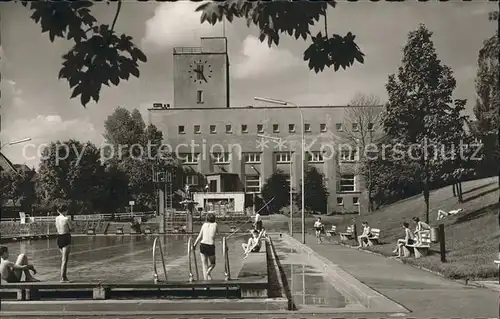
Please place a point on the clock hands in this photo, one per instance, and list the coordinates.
(202, 75)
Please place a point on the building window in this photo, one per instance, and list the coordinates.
(252, 158)
(355, 200)
(191, 179)
(260, 128)
(229, 129)
(355, 127)
(252, 183)
(291, 128)
(197, 129)
(347, 183)
(189, 158)
(221, 158)
(276, 128)
(315, 157)
(370, 126)
(199, 96)
(244, 128)
(339, 127)
(322, 127)
(181, 129)
(282, 157)
(348, 155)
(213, 129)
(340, 201)
(307, 127)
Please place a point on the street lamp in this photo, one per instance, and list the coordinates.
(281, 102)
(15, 142)
(291, 183)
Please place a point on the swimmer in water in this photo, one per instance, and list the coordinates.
(63, 239)
(206, 238)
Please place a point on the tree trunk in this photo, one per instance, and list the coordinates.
(426, 196)
(459, 188)
(370, 189)
(454, 186)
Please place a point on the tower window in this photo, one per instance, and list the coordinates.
(291, 128)
(322, 127)
(197, 129)
(199, 96)
(307, 127)
(276, 128)
(244, 128)
(181, 129)
(229, 129)
(213, 129)
(260, 128)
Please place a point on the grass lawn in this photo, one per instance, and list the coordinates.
(471, 237)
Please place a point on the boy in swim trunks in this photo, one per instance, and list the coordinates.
(63, 239)
(12, 272)
(319, 228)
(206, 238)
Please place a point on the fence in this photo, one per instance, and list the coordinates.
(85, 217)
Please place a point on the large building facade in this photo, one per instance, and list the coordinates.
(235, 149)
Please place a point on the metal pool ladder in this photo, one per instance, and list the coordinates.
(157, 243)
(192, 254)
(225, 254)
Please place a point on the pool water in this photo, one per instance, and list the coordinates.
(122, 258)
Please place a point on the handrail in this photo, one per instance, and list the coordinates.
(155, 272)
(227, 270)
(192, 253)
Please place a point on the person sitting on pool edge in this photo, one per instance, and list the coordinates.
(253, 244)
(206, 237)
(13, 272)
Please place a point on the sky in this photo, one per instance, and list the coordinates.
(35, 104)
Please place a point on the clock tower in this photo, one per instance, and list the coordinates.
(201, 75)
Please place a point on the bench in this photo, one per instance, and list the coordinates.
(349, 233)
(420, 248)
(147, 230)
(374, 238)
(119, 230)
(331, 232)
(91, 231)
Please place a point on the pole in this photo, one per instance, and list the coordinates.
(253, 202)
(303, 180)
(442, 246)
(291, 196)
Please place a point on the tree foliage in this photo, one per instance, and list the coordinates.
(71, 171)
(421, 111)
(295, 18)
(487, 108)
(277, 186)
(315, 191)
(99, 55)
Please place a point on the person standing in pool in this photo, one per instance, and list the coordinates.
(63, 239)
(206, 238)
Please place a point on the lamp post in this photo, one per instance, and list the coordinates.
(291, 183)
(16, 142)
(281, 102)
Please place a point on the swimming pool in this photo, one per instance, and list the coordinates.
(122, 258)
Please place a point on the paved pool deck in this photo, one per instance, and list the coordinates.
(425, 294)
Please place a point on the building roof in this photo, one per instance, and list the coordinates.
(258, 107)
(6, 164)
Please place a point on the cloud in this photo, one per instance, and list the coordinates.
(176, 24)
(258, 59)
(42, 130)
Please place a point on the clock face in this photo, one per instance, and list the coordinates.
(200, 71)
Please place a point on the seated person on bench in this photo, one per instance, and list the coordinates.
(442, 214)
(367, 233)
(12, 272)
(408, 240)
(253, 245)
(421, 226)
